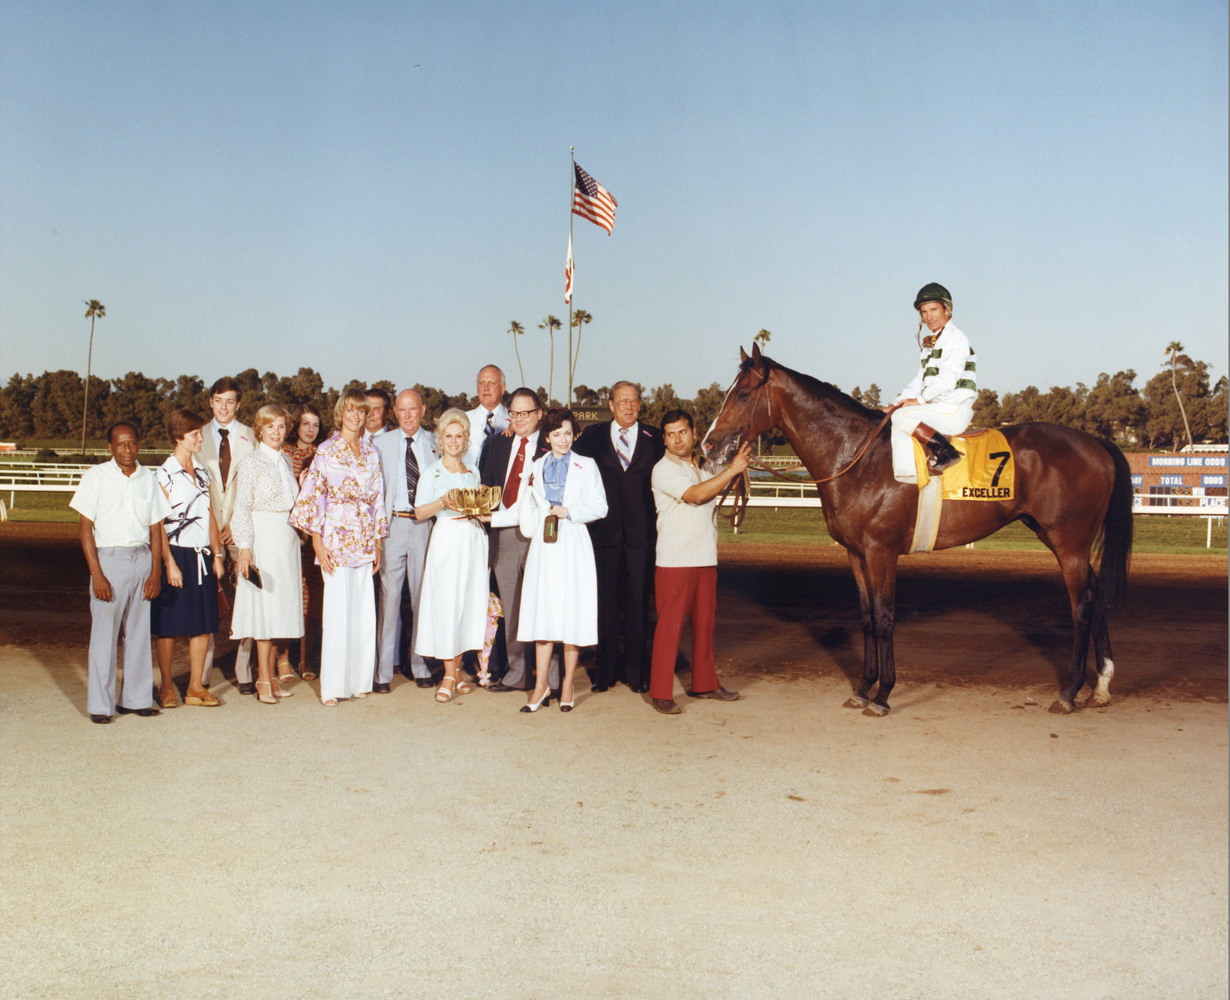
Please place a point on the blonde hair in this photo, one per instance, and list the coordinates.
(266, 415)
(355, 396)
(447, 419)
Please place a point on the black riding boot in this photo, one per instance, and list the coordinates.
(942, 454)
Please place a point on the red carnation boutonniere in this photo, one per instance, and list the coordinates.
(645, 433)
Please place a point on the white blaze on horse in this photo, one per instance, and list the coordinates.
(1071, 489)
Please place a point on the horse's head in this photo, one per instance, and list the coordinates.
(745, 411)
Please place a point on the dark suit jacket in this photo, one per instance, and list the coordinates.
(631, 519)
(493, 459)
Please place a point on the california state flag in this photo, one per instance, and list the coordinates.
(568, 274)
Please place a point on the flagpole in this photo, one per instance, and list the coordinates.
(572, 171)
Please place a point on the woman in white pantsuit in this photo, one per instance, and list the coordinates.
(265, 493)
(341, 505)
(452, 614)
(559, 595)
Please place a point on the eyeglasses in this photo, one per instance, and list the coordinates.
(521, 413)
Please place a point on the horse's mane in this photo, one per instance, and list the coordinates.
(815, 387)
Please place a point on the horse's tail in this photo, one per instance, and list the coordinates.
(1115, 542)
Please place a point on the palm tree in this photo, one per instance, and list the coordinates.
(762, 338)
(95, 310)
(1174, 349)
(516, 329)
(579, 318)
(550, 324)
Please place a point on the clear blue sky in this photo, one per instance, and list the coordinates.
(376, 189)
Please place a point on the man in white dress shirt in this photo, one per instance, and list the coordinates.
(225, 442)
(489, 417)
(378, 415)
(121, 508)
(405, 453)
(505, 462)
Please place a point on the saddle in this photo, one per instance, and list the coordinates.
(986, 472)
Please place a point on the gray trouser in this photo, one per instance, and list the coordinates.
(126, 615)
(243, 653)
(401, 562)
(506, 552)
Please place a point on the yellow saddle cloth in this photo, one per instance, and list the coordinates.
(985, 471)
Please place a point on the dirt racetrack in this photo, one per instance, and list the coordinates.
(968, 845)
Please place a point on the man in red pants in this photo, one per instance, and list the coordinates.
(686, 579)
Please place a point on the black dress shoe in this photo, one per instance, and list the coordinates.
(424, 682)
(502, 687)
(380, 688)
(667, 706)
(641, 688)
(102, 720)
(247, 687)
(721, 694)
(146, 712)
(601, 688)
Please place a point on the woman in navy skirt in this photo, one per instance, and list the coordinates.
(192, 561)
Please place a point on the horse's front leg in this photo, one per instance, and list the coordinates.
(882, 588)
(871, 670)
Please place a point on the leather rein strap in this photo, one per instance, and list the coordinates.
(739, 508)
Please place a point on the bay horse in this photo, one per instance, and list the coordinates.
(1070, 487)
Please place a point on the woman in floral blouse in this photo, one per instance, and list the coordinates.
(341, 505)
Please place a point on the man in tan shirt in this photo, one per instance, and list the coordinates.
(685, 582)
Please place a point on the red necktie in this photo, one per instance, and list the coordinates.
(513, 486)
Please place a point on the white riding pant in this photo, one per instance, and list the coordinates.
(947, 418)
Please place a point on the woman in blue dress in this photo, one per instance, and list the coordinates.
(452, 613)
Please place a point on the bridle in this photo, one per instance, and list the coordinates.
(739, 507)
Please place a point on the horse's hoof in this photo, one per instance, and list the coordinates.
(876, 710)
(1098, 700)
(1061, 707)
(855, 701)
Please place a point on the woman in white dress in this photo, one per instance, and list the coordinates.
(268, 546)
(559, 595)
(453, 609)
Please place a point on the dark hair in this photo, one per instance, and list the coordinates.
(226, 384)
(554, 420)
(674, 416)
(528, 394)
(293, 434)
(381, 395)
(123, 423)
(181, 423)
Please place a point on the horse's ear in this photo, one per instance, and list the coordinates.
(743, 353)
(756, 354)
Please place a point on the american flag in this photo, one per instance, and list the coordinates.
(568, 273)
(592, 201)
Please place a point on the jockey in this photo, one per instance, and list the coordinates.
(940, 398)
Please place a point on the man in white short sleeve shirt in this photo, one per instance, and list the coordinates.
(685, 582)
(121, 508)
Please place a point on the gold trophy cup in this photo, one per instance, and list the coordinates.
(474, 501)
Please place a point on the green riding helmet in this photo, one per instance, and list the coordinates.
(933, 293)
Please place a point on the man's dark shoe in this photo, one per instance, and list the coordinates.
(501, 686)
(381, 688)
(667, 706)
(146, 712)
(247, 687)
(424, 682)
(102, 720)
(601, 688)
(641, 688)
(721, 694)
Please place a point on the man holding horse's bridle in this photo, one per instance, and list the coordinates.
(939, 400)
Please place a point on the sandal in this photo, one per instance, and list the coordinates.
(285, 673)
(464, 686)
(444, 694)
(265, 696)
(204, 699)
(329, 702)
(166, 696)
(279, 691)
(306, 672)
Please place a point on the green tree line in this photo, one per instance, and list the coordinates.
(1155, 416)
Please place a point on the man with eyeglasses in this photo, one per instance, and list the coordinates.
(490, 417)
(505, 462)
